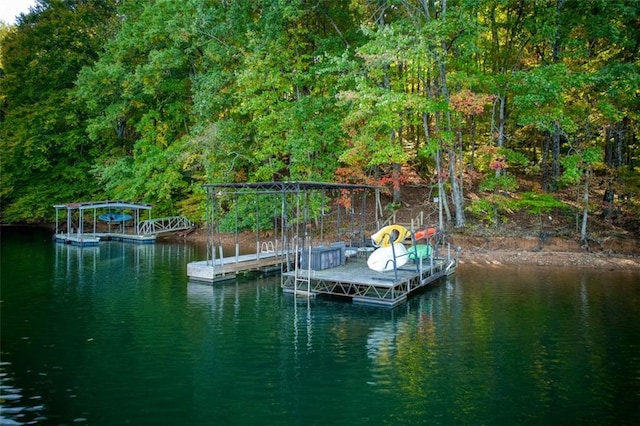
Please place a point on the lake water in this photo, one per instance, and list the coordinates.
(117, 335)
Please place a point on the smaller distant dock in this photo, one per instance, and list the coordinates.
(88, 223)
(89, 240)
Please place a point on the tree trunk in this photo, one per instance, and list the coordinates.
(456, 191)
(501, 120)
(501, 123)
(396, 182)
(546, 184)
(555, 158)
(557, 130)
(613, 158)
(585, 211)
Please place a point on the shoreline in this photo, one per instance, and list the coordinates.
(586, 260)
(508, 251)
(495, 251)
(555, 251)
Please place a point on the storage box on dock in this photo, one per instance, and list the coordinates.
(322, 258)
(343, 250)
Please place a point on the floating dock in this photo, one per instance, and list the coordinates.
(89, 240)
(356, 281)
(351, 279)
(108, 222)
(311, 259)
(224, 269)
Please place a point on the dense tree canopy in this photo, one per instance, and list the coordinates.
(147, 100)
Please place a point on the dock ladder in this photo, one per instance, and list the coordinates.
(301, 278)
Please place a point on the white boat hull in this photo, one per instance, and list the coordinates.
(381, 259)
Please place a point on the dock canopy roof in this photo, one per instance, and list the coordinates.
(104, 204)
(288, 186)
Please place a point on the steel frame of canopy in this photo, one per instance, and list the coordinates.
(290, 209)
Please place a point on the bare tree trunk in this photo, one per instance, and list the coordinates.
(386, 83)
(612, 159)
(555, 158)
(442, 197)
(501, 123)
(456, 190)
(585, 210)
(545, 163)
(557, 130)
(501, 119)
(396, 182)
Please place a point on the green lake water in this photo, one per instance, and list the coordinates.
(116, 335)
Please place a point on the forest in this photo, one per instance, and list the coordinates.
(147, 100)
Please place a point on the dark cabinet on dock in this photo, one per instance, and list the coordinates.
(323, 257)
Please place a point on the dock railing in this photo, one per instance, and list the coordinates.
(415, 223)
(164, 224)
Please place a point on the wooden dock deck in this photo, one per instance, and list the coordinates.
(354, 280)
(228, 267)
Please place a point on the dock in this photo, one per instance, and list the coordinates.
(355, 281)
(227, 268)
(89, 222)
(90, 240)
(322, 239)
(352, 279)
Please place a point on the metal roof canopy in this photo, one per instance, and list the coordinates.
(293, 221)
(104, 204)
(80, 207)
(279, 186)
(289, 186)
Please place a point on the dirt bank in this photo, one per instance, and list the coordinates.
(609, 253)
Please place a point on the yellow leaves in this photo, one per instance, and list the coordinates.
(161, 134)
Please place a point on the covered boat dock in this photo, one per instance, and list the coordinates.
(286, 219)
(80, 223)
(318, 237)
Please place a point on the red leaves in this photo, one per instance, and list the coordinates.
(470, 103)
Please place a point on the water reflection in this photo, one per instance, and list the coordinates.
(17, 407)
(86, 330)
(73, 262)
(302, 314)
(516, 339)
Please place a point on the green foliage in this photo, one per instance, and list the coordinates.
(515, 159)
(539, 96)
(536, 203)
(45, 155)
(392, 207)
(248, 213)
(574, 165)
(504, 182)
(489, 208)
(148, 100)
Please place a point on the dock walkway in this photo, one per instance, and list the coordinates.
(227, 268)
